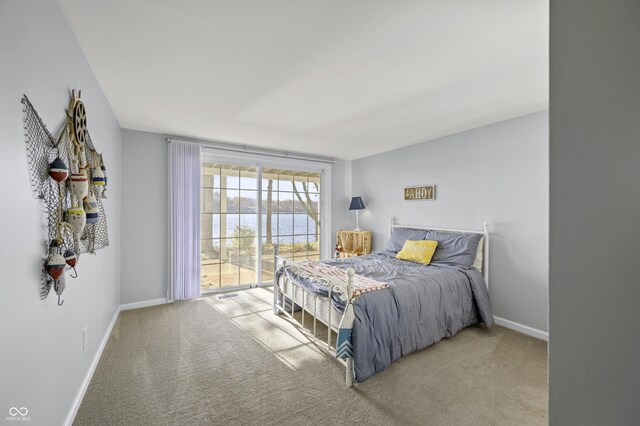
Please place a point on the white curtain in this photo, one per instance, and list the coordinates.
(184, 220)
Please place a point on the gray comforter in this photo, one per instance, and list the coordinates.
(423, 304)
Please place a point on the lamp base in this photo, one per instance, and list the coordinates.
(357, 222)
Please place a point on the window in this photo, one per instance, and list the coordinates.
(241, 205)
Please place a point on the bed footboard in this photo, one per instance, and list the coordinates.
(309, 306)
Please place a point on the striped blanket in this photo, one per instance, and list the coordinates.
(360, 284)
(314, 269)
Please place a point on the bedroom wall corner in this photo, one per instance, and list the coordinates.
(497, 173)
(43, 365)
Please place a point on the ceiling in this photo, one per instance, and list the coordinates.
(344, 79)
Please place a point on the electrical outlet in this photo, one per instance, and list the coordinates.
(85, 338)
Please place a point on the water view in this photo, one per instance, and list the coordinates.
(291, 228)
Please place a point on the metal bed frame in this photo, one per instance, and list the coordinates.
(336, 286)
(333, 286)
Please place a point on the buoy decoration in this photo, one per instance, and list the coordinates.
(91, 209)
(79, 184)
(55, 266)
(98, 178)
(77, 218)
(58, 170)
(71, 258)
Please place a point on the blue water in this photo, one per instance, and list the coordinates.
(290, 228)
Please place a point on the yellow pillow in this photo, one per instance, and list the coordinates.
(418, 251)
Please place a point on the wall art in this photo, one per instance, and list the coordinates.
(68, 176)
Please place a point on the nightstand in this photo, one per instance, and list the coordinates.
(353, 243)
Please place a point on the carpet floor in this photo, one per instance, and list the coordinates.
(213, 361)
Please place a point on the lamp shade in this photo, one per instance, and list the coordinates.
(356, 204)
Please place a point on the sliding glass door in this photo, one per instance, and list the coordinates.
(241, 205)
(291, 216)
(229, 225)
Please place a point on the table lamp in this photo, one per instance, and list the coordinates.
(356, 204)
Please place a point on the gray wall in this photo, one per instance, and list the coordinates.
(42, 364)
(144, 206)
(595, 213)
(498, 174)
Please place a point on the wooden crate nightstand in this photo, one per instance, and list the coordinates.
(354, 243)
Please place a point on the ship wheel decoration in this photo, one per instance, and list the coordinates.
(78, 119)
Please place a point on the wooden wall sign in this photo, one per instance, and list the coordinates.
(427, 192)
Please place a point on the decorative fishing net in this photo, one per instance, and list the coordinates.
(42, 149)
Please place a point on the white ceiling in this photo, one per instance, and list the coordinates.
(339, 78)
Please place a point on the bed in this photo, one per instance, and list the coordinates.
(420, 305)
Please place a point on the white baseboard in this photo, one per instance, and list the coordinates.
(92, 368)
(525, 329)
(143, 304)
